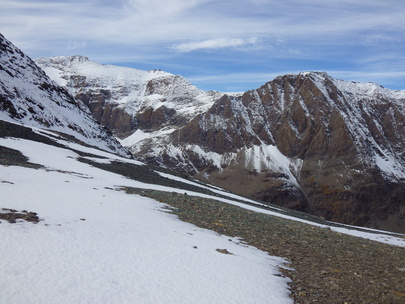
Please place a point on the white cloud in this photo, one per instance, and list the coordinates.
(213, 44)
(199, 21)
(155, 8)
(346, 33)
(76, 45)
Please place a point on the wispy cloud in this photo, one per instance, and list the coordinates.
(204, 22)
(76, 45)
(213, 44)
(155, 8)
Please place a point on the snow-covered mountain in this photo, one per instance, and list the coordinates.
(126, 99)
(307, 141)
(30, 97)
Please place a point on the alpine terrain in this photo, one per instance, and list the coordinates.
(81, 221)
(308, 142)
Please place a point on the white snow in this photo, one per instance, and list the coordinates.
(99, 245)
(269, 157)
(389, 165)
(139, 135)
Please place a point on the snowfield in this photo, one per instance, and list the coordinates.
(96, 244)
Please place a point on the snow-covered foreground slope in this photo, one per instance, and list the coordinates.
(96, 244)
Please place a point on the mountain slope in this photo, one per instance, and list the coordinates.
(307, 141)
(82, 225)
(93, 243)
(28, 96)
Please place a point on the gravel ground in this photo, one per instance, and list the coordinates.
(329, 267)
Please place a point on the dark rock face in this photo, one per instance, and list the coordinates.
(343, 145)
(151, 119)
(109, 115)
(116, 117)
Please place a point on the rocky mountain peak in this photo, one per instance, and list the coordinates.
(62, 60)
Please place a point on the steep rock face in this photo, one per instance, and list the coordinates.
(306, 141)
(126, 100)
(28, 96)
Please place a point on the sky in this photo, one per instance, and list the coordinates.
(219, 45)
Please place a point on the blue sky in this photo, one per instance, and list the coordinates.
(224, 45)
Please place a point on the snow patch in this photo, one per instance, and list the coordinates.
(269, 157)
(389, 166)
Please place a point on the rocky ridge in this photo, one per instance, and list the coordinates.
(28, 96)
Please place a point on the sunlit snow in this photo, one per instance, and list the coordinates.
(97, 244)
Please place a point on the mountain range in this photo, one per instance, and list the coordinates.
(305, 141)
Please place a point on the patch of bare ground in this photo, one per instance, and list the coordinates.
(12, 215)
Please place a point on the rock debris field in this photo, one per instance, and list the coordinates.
(326, 266)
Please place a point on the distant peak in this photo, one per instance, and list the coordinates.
(78, 58)
(307, 74)
(314, 73)
(63, 59)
